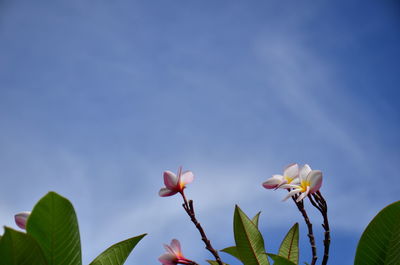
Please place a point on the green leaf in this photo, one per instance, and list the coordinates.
(290, 245)
(379, 244)
(232, 251)
(17, 248)
(117, 253)
(54, 225)
(255, 219)
(249, 241)
(213, 262)
(278, 260)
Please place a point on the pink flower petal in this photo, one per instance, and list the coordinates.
(170, 180)
(169, 249)
(176, 247)
(187, 177)
(273, 182)
(21, 219)
(185, 261)
(168, 259)
(174, 254)
(165, 192)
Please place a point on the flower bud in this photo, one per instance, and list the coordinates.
(21, 219)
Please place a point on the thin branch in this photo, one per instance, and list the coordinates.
(300, 206)
(188, 206)
(314, 203)
(323, 208)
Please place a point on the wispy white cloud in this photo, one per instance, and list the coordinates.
(232, 101)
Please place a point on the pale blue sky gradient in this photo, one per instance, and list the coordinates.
(98, 98)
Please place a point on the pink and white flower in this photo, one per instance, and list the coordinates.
(290, 176)
(21, 219)
(310, 182)
(174, 254)
(175, 183)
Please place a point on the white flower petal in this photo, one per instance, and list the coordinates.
(305, 170)
(279, 177)
(273, 182)
(291, 171)
(295, 181)
(284, 182)
(289, 186)
(291, 193)
(315, 180)
(187, 177)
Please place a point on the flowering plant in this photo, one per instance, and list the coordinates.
(51, 232)
(301, 183)
(51, 237)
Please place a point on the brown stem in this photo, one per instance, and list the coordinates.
(188, 206)
(314, 203)
(300, 206)
(322, 206)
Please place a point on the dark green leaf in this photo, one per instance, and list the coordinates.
(54, 225)
(232, 251)
(249, 241)
(290, 245)
(380, 242)
(117, 253)
(278, 260)
(17, 248)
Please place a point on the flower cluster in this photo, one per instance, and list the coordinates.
(301, 182)
(298, 182)
(176, 184)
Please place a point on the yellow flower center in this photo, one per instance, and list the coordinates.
(304, 184)
(181, 185)
(288, 179)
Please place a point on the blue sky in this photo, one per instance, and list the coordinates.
(98, 98)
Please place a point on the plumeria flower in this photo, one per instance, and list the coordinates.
(175, 183)
(174, 254)
(310, 182)
(290, 176)
(21, 219)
